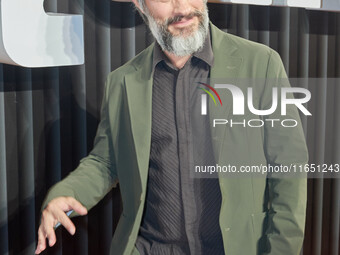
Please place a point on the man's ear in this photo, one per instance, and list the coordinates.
(136, 3)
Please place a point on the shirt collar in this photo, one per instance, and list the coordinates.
(205, 54)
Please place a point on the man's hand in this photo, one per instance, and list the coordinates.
(54, 213)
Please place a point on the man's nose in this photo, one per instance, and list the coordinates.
(181, 7)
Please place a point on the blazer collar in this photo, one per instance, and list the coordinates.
(226, 56)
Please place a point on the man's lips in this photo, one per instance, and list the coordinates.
(183, 22)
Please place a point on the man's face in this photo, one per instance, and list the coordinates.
(179, 26)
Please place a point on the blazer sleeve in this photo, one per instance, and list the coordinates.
(284, 146)
(96, 174)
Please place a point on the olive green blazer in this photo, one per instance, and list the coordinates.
(258, 215)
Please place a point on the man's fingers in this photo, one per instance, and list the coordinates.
(41, 241)
(77, 206)
(53, 213)
(65, 221)
(51, 236)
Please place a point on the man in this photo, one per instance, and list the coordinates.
(141, 143)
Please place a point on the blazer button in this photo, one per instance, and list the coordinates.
(226, 229)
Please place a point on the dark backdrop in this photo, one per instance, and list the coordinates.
(48, 117)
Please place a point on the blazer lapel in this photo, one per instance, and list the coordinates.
(138, 87)
(226, 68)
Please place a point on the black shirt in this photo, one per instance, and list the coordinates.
(181, 214)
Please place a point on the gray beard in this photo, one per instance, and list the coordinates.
(180, 45)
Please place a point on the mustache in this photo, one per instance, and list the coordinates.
(177, 18)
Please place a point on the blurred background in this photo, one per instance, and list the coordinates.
(49, 116)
